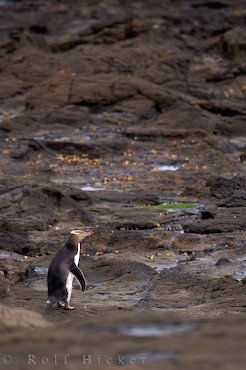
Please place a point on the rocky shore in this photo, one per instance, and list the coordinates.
(127, 117)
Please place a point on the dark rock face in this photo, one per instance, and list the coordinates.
(233, 190)
(37, 207)
(222, 262)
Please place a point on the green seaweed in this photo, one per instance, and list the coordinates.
(169, 206)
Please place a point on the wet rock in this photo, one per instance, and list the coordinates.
(7, 43)
(222, 283)
(222, 262)
(133, 238)
(231, 191)
(10, 85)
(48, 200)
(39, 206)
(106, 268)
(136, 226)
(34, 39)
(12, 318)
(51, 93)
(15, 267)
(14, 235)
(145, 134)
(206, 214)
(233, 43)
(45, 200)
(229, 224)
(66, 88)
(95, 148)
(228, 293)
(226, 128)
(4, 285)
(103, 30)
(186, 242)
(134, 109)
(192, 286)
(243, 158)
(21, 152)
(71, 115)
(196, 289)
(229, 195)
(178, 114)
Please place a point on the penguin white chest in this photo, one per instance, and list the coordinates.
(69, 282)
(76, 258)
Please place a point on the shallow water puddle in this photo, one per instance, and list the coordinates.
(156, 330)
(239, 142)
(165, 266)
(11, 255)
(41, 270)
(92, 188)
(203, 262)
(66, 139)
(111, 114)
(219, 264)
(241, 273)
(166, 168)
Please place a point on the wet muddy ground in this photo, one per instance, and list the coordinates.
(127, 117)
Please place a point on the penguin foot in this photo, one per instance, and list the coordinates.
(65, 306)
(69, 308)
(61, 304)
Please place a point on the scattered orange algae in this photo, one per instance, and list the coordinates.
(99, 253)
(79, 159)
(150, 257)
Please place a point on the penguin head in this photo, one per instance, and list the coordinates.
(76, 236)
(81, 234)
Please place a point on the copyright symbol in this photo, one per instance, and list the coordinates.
(7, 359)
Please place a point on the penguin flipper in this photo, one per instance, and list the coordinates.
(79, 275)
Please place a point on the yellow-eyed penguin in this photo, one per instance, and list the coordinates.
(63, 268)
